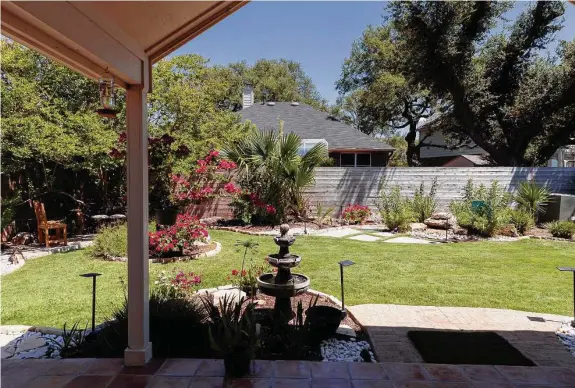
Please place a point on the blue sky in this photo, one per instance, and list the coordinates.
(319, 35)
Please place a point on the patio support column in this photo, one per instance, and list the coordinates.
(139, 350)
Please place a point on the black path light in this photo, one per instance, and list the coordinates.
(343, 263)
(93, 275)
(570, 269)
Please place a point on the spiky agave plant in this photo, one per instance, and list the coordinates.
(532, 197)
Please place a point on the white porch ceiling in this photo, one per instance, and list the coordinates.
(125, 37)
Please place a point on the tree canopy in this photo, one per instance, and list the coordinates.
(503, 93)
(375, 96)
(277, 80)
(493, 87)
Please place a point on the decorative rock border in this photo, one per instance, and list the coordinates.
(566, 334)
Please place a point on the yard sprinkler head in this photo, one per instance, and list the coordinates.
(570, 269)
(343, 263)
(93, 275)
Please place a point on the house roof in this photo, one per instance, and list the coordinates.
(478, 160)
(310, 123)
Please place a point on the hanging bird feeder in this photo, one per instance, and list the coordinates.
(107, 96)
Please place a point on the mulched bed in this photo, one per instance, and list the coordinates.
(265, 301)
(454, 347)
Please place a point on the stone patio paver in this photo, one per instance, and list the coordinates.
(364, 237)
(28, 373)
(407, 240)
(338, 232)
(533, 334)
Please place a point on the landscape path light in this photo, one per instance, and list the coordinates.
(93, 275)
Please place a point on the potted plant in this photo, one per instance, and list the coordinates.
(233, 335)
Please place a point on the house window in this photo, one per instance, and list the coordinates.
(347, 160)
(355, 160)
(363, 160)
(308, 144)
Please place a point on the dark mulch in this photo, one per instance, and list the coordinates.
(454, 347)
(307, 299)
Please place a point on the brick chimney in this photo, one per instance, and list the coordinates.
(248, 96)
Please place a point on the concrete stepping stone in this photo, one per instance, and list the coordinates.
(364, 237)
(338, 233)
(384, 234)
(407, 240)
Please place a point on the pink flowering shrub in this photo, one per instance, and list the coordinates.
(177, 284)
(356, 214)
(174, 239)
(201, 184)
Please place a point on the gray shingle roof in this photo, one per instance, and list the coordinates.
(310, 123)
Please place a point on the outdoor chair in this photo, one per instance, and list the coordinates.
(44, 226)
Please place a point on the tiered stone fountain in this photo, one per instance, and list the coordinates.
(283, 285)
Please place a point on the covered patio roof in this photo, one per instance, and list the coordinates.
(124, 38)
(121, 36)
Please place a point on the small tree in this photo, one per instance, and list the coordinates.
(271, 169)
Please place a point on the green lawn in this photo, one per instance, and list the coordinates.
(517, 275)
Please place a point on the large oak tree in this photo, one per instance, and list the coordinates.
(504, 93)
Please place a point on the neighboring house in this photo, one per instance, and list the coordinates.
(470, 155)
(347, 146)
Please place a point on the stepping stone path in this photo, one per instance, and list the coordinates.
(364, 237)
(338, 233)
(384, 234)
(407, 240)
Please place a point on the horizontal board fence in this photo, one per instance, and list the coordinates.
(341, 186)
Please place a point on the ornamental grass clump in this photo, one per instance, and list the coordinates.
(396, 211)
(562, 229)
(483, 211)
(532, 198)
(424, 205)
(356, 214)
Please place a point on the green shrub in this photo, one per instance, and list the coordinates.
(487, 219)
(178, 328)
(521, 219)
(112, 241)
(532, 198)
(424, 205)
(562, 229)
(396, 211)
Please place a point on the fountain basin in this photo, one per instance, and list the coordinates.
(287, 261)
(296, 285)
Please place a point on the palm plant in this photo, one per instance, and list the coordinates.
(532, 198)
(271, 165)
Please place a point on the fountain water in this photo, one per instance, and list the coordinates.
(283, 285)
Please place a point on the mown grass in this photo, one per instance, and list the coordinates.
(516, 275)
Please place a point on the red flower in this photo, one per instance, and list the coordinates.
(244, 272)
(270, 209)
(234, 272)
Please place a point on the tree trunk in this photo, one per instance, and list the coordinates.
(412, 148)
